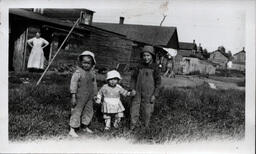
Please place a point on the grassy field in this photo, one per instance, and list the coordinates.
(181, 114)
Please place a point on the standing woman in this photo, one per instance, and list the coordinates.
(36, 58)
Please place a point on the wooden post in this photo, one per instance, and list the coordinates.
(25, 50)
(50, 53)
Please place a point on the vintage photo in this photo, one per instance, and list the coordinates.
(173, 73)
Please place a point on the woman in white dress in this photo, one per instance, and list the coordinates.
(36, 58)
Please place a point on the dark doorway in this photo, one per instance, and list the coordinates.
(46, 33)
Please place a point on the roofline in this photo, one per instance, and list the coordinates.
(219, 52)
(59, 22)
(239, 52)
(135, 25)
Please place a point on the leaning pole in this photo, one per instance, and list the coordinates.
(39, 80)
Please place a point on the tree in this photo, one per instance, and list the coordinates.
(205, 54)
(229, 54)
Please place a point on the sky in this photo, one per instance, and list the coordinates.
(211, 23)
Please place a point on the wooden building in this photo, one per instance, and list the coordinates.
(238, 62)
(109, 47)
(194, 65)
(157, 36)
(219, 58)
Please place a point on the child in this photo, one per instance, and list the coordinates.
(83, 88)
(146, 81)
(112, 105)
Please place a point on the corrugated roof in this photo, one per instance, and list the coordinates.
(38, 17)
(187, 46)
(154, 35)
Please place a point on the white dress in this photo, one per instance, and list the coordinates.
(36, 57)
(111, 98)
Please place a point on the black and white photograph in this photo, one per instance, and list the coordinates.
(139, 76)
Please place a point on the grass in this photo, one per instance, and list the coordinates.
(181, 114)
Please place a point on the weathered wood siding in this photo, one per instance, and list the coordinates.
(219, 58)
(239, 57)
(18, 53)
(108, 50)
(193, 65)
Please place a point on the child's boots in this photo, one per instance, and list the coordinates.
(108, 123)
(117, 122)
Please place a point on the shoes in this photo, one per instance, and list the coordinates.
(116, 124)
(88, 130)
(73, 134)
(107, 128)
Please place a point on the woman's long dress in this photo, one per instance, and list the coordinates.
(36, 58)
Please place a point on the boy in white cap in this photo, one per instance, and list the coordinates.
(109, 94)
(146, 81)
(83, 88)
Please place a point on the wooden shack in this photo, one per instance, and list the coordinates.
(109, 47)
(239, 61)
(157, 36)
(193, 65)
(219, 58)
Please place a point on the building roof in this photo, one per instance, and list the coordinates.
(224, 54)
(154, 35)
(187, 46)
(37, 17)
(239, 52)
(64, 14)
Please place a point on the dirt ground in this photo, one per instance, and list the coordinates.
(192, 81)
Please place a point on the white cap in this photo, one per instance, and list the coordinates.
(88, 53)
(113, 74)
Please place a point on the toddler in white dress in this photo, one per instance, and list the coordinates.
(109, 95)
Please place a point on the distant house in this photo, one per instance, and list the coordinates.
(191, 49)
(187, 46)
(188, 60)
(109, 47)
(238, 62)
(219, 58)
(192, 65)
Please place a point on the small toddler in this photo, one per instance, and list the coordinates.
(109, 94)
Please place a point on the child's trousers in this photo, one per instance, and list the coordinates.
(83, 111)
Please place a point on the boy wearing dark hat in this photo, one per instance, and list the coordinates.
(146, 81)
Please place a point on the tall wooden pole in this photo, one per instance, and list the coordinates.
(57, 51)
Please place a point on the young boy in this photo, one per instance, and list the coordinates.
(146, 81)
(83, 89)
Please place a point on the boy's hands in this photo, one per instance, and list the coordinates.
(152, 99)
(97, 100)
(133, 92)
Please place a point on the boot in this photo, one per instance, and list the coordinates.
(117, 121)
(72, 133)
(107, 124)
